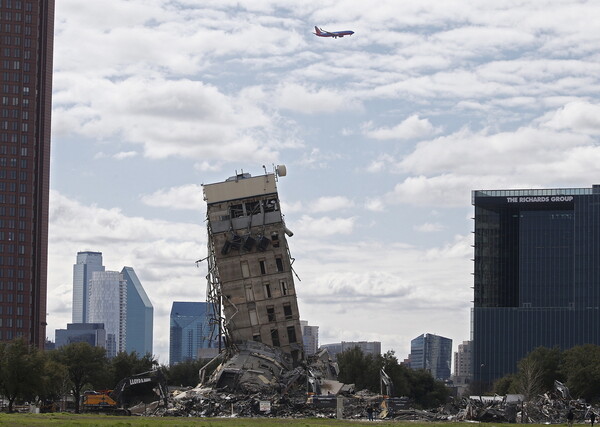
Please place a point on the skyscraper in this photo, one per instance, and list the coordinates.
(108, 304)
(190, 330)
(250, 269)
(432, 353)
(86, 264)
(536, 278)
(26, 37)
(140, 315)
(310, 338)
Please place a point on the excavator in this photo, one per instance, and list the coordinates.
(146, 387)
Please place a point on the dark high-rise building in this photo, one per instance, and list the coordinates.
(191, 330)
(537, 274)
(26, 42)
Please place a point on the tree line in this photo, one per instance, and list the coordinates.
(363, 370)
(30, 375)
(578, 368)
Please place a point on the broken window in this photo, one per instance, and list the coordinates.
(270, 205)
(291, 331)
(256, 337)
(275, 338)
(253, 317)
(263, 267)
(271, 313)
(279, 263)
(284, 288)
(236, 211)
(275, 239)
(245, 269)
(252, 208)
(268, 291)
(287, 311)
(249, 293)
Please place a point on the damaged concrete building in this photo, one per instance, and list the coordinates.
(250, 278)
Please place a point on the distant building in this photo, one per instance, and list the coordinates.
(92, 333)
(463, 373)
(367, 347)
(432, 353)
(108, 304)
(536, 274)
(140, 315)
(310, 338)
(86, 264)
(190, 331)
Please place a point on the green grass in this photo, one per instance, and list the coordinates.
(91, 420)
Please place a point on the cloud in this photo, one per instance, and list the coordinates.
(333, 203)
(579, 116)
(324, 226)
(296, 97)
(188, 196)
(411, 128)
(125, 155)
(429, 227)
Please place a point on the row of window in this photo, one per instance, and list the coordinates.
(16, 28)
(11, 199)
(16, 78)
(12, 224)
(12, 187)
(9, 286)
(10, 273)
(16, 65)
(10, 298)
(8, 335)
(16, 40)
(12, 174)
(9, 260)
(16, 4)
(16, 16)
(8, 323)
(13, 113)
(14, 126)
(12, 211)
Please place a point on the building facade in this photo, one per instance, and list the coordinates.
(250, 269)
(108, 305)
(140, 315)
(432, 353)
(85, 265)
(463, 367)
(536, 274)
(310, 338)
(191, 331)
(92, 333)
(367, 347)
(26, 35)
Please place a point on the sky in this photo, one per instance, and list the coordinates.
(384, 134)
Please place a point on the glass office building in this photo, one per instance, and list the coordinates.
(536, 274)
(190, 331)
(432, 353)
(86, 264)
(140, 315)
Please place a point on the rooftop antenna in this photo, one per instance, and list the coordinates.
(280, 170)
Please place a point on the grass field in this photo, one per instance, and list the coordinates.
(88, 420)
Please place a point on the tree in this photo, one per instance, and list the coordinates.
(185, 373)
(581, 367)
(85, 365)
(359, 369)
(21, 368)
(127, 364)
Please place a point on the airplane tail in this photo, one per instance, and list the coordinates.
(317, 31)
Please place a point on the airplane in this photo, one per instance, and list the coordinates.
(335, 34)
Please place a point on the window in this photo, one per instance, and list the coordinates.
(245, 269)
(287, 311)
(275, 239)
(279, 263)
(271, 313)
(236, 211)
(275, 338)
(256, 337)
(267, 290)
(253, 317)
(249, 293)
(283, 286)
(263, 268)
(291, 331)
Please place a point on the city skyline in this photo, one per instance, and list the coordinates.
(384, 135)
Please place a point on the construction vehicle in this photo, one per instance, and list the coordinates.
(146, 387)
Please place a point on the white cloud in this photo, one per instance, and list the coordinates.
(429, 227)
(410, 128)
(188, 196)
(125, 155)
(333, 203)
(305, 100)
(324, 226)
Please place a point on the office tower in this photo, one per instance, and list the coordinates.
(107, 293)
(310, 338)
(86, 264)
(250, 269)
(92, 333)
(191, 330)
(536, 278)
(140, 315)
(26, 37)
(432, 353)
(463, 373)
